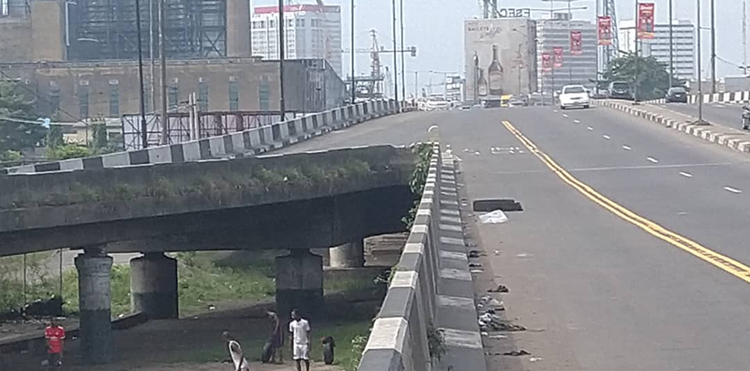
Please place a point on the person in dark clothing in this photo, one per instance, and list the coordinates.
(276, 339)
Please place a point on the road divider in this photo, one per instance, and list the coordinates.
(723, 262)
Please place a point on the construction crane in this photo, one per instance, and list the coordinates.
(372, 86)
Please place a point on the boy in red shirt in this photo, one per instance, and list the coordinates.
(55, 335)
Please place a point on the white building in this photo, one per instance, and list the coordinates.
(311, 31)
(576, 69)
(683, 36)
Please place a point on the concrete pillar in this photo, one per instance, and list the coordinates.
(153, 286)
(324, 253)
(94, 269)
(299, 283)
(348, 255)
(238, 28)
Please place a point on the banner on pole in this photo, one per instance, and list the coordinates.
(646, 21)
(604, 24)
(558, 52)
(576, 46)
(546, 62)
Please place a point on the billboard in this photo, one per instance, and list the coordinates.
(546, 62)
(500, 57)
(558, 52)
(576, 43)
(604, 27)
(646, 20)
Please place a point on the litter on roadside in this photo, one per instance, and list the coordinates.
(493, 217)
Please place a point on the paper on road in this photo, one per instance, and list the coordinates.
(493, 217)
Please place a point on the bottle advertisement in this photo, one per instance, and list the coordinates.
(500, 58)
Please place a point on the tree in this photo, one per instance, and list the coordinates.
(653, 78)
(14, 135)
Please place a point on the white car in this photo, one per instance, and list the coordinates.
(574, 96)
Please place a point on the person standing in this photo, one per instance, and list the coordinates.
(299, 329)
(55, 335)
(276, 338)
(235, 351)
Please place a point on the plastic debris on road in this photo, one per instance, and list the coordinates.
(493, 217)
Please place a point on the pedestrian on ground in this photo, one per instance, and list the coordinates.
(235, 351)
(276, 338)
(299, 329)
(55, 335)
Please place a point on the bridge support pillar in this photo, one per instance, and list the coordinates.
(325, 254)
(153, 286)
(299, 283)
(348, 255)
(94, 267)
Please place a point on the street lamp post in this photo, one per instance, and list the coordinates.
(141, 91)
(282, 104)
(354, 84)
(671, 45)
(395, 55)
(713, 47)
(700, 82)
(403, 62)
(635, 37)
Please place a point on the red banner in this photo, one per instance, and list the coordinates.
(558, 52)
(646, 21)
(546, 62)
(576, 43)
(605, 30)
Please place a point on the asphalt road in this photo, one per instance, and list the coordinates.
(598, 287)
(727, 114)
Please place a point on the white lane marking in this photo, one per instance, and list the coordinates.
(652, 159)
(564, 115)
(577, 121)
(605, 136)
(733, 190)
(590, 128)
(719, 106)
(627, 148)
(686, 175)
(554, 110)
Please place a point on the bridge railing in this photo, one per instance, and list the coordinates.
(248, 142)
(399, 340)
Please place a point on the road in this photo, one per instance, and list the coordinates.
(727, 114)
(629, 252)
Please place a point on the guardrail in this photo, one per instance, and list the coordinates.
(248, 142)
(431, 290)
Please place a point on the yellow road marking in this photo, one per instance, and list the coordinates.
(723, 262)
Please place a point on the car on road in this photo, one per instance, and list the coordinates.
(574, 96)
(676, 94)
(620, 90)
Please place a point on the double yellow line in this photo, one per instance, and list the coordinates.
(723, 262)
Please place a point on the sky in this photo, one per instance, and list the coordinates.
(435, 27)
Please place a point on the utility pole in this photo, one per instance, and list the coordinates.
(744, 35)
(635, 30)
(395, 55)
(671, 45)
(354, 82)
(570, 29)
(151, 53)
(163, 58)
(403, 62)
(713, 47)
(700, 75)
(141, 91)
(282, 46)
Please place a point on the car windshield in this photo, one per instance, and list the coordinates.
(677, 90)
(620, 85)
(574, 90)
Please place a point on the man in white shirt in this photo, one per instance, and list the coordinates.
(235, 351)
(299, 329)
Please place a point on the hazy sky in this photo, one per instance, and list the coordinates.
(435, 27)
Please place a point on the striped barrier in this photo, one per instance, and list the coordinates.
(244, 143)
(431, 287)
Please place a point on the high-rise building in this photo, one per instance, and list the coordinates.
(311, 31)
(683, 46)
(575, 69)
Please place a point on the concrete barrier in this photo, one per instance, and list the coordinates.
(258, 140)
(431, 288)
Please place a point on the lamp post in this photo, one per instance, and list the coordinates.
(635, 61)
(671, 45)
(700, 82)
(282, 47)
(141, 92)
(395, 55)
(713, 47)
(354, 84)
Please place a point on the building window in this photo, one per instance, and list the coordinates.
(264, 94)
(202, 96)
(172, 97)
(83, 100)
(114, 98)
(234, 96)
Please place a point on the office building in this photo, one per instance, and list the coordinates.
(311, 31)
(575, 69)
(683, 36)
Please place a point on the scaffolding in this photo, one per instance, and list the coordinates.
(106, 29)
